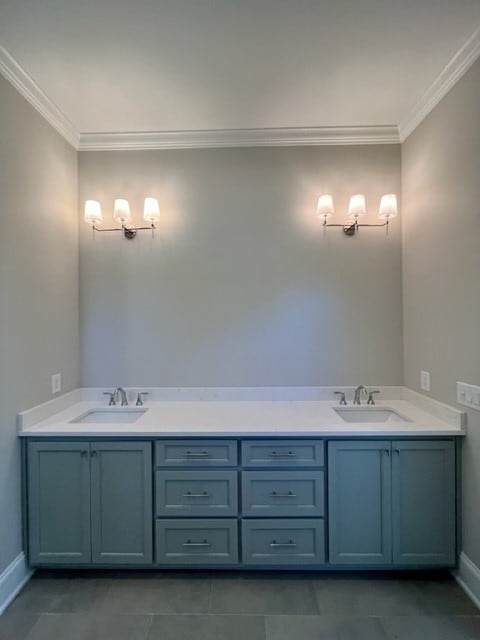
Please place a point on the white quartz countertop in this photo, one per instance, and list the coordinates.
(235, 418)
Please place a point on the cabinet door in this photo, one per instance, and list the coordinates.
(359, 485)
(121, 502)
(58, 503)
(423, 502)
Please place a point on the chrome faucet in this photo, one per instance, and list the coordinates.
(358, 391)
(123, 395)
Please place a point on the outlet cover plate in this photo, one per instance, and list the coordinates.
(56, 383)
(425, 380)
(468, 395)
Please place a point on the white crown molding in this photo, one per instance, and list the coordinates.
(29, 89)
(281, 137)
(450, 75)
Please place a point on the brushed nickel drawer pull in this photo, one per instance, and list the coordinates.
(189, 543)
(289, 494)
(283, 454)
(290, 543)
(189, 494)
(196, 454)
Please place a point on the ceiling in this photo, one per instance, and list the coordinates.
(113, 66)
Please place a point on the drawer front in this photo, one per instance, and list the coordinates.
(283, 453)
(196, 542)
(283, 542)
(196, 453)
(196, 493)
(283, 493)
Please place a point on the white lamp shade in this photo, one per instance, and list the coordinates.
(151, 210)
(121, 211)
(325, 206)
(357, 206)
(93, 212)
(388, 206)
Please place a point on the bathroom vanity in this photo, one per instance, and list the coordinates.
(298, 486)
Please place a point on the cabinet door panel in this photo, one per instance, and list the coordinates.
(121, 502)
(359, 478)
(423, 491)
(59, 503)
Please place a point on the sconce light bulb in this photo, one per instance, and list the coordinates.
(93, 212)
(121, 211)
(151, 210)
(357, 206)
(388, 207)
(325, 208)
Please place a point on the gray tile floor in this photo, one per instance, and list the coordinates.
(240, 606)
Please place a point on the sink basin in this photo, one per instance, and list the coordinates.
(109, 416)
(369, 414)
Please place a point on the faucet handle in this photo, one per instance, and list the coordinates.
(370, 397)
(112, 395)
(342, 397)
(140, 395)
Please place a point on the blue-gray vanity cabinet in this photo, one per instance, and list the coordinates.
(58, 483)
(423, 502)
(89, 503)
(392, 503)
(121, 499)
(359, 481)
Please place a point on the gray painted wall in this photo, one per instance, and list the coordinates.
(38, 284)
(441, 266)
(240, 287)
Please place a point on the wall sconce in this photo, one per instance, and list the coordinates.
(356, 208)
(121, 213)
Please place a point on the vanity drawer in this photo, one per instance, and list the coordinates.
(283, 542)
(283, 453)
(196, 493)
(196, 453)
(283, 493)
(197, 542)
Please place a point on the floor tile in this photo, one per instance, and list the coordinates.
(263, 595)
(323, 628)
(444, 597)
(16, 625)
(356, 595)
(170, 595)
(77, 626)
(432, 628)
(39, 595)
(80, 594)
(207, 627)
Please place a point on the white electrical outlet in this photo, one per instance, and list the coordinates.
(56, 383)
(425, 380)
(468, 395)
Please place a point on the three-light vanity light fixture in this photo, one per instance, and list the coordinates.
(121, 213)
(356, 209)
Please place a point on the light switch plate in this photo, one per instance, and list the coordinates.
(468, 395)
(425, 380)
(56, 383)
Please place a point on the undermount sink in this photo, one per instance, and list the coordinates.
(109, 416)
(369, 414)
